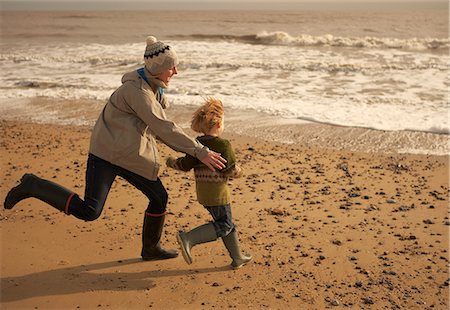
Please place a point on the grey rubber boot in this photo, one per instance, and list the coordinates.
(33, 186)
(201, 234)
(231, 242)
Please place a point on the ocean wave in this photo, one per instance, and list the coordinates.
(315, 67)
(92, 60)
(23, 84)
(319, 66)
(284, 38)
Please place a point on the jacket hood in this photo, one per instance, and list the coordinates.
(138, 82)
(131, 76)
(134, 76)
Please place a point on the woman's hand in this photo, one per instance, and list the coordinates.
(214, 160)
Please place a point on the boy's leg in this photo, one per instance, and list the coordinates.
(231, 242)
(223, 222)
(201, 234)
(221, 226)
(227, 230)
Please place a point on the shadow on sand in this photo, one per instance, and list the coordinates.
(85, 278)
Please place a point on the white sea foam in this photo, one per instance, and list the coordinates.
(283, 38)
(372, 87)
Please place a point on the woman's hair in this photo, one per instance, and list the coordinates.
(208, 115)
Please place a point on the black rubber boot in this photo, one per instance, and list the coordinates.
(47, 191)
(151, 234)
(231, 242)
(202, 234)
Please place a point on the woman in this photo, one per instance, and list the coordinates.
(123, 143)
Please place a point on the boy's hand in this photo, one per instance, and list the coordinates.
(171, 162)
(214, 160)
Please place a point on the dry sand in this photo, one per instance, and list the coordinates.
(326, 228)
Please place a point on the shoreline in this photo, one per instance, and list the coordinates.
(253, 124)
(334, 137)
(326, 228)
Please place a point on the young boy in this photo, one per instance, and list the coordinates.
(212, 189)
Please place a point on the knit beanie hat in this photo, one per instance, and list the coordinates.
(159, 56)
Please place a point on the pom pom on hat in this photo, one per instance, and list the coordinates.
(151, 40)
(159, 56)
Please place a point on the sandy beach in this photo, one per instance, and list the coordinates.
(338, 113)
(326, 228)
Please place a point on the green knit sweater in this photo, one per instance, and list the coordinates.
(211, 186)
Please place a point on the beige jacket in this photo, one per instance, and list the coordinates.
(126, 131)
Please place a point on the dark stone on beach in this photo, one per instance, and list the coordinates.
(372, 208)
(404, 208)
(354, 192)
(428, 221)
(397, 168)
(276, 211)
(337, 242)
(404, 238)
(368, 301)
(334, 302)
(345, 206)
(436, 195)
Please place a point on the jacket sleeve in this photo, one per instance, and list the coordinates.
(234, 172)
(149, 110)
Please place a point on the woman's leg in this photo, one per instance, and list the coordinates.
(154, 215)
(99, 177)
(32, 186)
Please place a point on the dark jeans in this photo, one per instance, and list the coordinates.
(223, 222)
(100, 175)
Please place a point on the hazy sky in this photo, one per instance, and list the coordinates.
(194, 4)
(230, 1)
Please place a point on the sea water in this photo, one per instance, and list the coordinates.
(392, 80)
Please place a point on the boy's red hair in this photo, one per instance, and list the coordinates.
(208, 115)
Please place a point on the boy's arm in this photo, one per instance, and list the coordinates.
(185, 163)
(233, 170)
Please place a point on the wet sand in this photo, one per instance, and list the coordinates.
(249, 123)
(327, 229)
